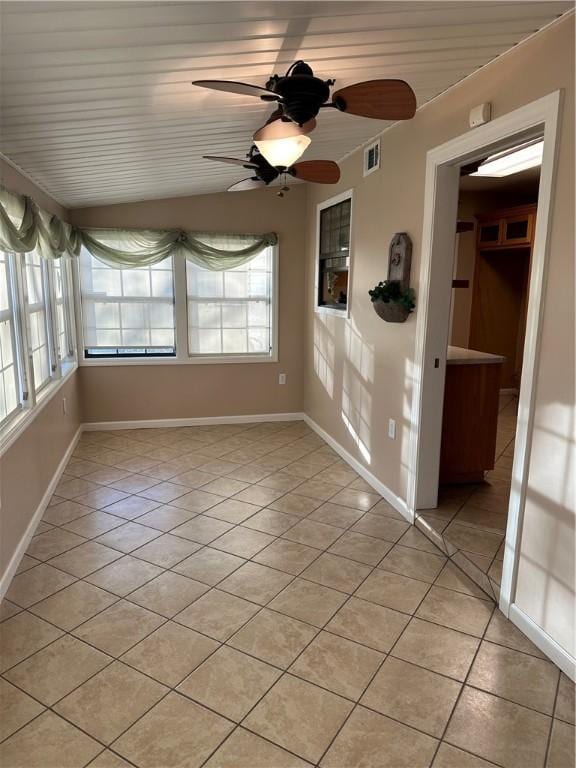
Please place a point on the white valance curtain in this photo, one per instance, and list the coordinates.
(25, 227)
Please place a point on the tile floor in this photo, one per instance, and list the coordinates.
(469, 524)
(237, 597)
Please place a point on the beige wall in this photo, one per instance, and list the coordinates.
(358, 371)
(115, 393)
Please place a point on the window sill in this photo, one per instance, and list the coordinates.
(16, 426)
(215, 360)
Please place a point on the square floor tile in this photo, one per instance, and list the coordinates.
(381, 527)
(515, 676)
(374, 741)
(562, 750)
(134, 483)
(65, 512)
(288, 556)
(232, 511)
(250, 473)
(119, 627)
(270, 521)
(217, 614)
(243, 749)
(300, 717)
(8, 609)
(318, 489)
(414, 563)
(273, 637)
(334, 514)
(111, 701)
(85, 559)
(313, 534)
(363, 549)
(34, 585)
(73, 605)
(124, 575)
(173, 728)
(363, 500)
(416, 539)
(498, 730)
(209, 565)
(412, 695)
(336, 572)
(72, 488)
(225, 486)
(340, 665)
(57, 669)
(229, 682)
(452, 757)
(166, 517)
(108, 759)
(309, 602)
(256, 583)
(132, 507)
(164, 492)
(26, 563)
(367, 623)
(473, 539)
(94, 524)
(437, 648)
(23, 635)
(166, 550)
(503, 632)
(195, 478)
(454, 578)
(168, 594)
(565, 700)
(394, 591)
(242, 542)
(100, 497)
(293, 504)
(457, 611)
(202, 529)
(281, 481)
(128, 537)
(197, 501)
(48, 741)
(16, 709)
(170, 653)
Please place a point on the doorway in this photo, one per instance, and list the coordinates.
(443, 173)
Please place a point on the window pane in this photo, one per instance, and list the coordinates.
(127, 311)
(37, 318)
(9, 397)
(229, 312)
(63, 311)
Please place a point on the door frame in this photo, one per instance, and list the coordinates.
(540, 117)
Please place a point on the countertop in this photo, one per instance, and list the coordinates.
(461, 356)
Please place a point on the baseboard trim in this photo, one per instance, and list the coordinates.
(93, 426)
(543, 641)
(398, 503)
(8, 574)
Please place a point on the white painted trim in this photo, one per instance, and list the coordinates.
(192, 422)
(398, 503)
(8, 574)
(431, 331)
(543, 641)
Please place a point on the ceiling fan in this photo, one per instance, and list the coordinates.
(318, 171)
(300, 95)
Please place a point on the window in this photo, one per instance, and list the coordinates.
(37, 310)
(9, 375)
(62, 308)
(230, 312)
(334, 222)
(127, 312)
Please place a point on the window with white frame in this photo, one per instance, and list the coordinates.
(39, 332)
(63, 308)
(9, 373)
(127, 312)
(231, 313)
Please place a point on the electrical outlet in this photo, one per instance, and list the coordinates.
(392, 429)
(282, 378)
(64, 406)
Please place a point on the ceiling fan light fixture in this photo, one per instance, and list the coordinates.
(283, 153)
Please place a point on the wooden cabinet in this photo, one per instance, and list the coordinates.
(507, 228)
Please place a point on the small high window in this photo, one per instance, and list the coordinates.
(334, 226)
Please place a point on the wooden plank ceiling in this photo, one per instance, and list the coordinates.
(97, 105)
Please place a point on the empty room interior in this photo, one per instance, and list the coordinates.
(287, 384)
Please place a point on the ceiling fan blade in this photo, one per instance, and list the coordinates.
(283, 129)
(244, 89)
(245, 185)
(230, 160)
(318, 171)
(378, 99)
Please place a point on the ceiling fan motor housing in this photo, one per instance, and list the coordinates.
(302, 95)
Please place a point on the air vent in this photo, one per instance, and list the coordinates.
(372, 157)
